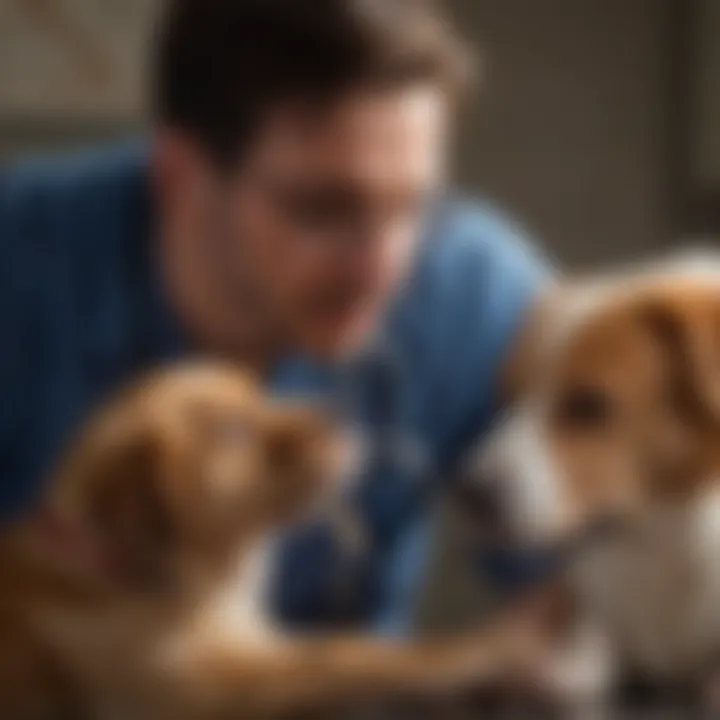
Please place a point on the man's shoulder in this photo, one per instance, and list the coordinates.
(467, 238)
(473, 257)
(112, 164)
(48, 204)
(71, 233)
(477, 276)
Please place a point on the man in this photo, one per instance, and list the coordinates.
(287, 213)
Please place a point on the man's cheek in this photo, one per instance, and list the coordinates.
(402, 249)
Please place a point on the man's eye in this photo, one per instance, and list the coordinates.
(317, 208)
(317, 211)
(586, 407)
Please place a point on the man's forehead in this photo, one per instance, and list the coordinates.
(367, 135)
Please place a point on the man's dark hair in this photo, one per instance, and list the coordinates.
(221, 65)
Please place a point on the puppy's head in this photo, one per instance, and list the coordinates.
(615, 409)
(190, 464)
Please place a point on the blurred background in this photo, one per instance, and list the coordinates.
(597, 126)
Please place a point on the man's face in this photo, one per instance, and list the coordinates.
(320, 222)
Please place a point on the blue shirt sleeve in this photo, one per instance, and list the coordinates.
(22, 297)
(498, 274)
(65, 299)
(478, 279)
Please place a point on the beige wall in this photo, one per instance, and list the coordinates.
(72, 59)
(706, 149)
(569, 131)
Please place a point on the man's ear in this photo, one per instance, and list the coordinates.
(688, 326)
(127, 508)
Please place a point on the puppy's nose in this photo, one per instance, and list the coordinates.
(484, 500)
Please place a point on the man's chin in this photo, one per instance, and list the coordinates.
(339, 340)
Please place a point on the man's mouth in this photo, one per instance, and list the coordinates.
(347, 325)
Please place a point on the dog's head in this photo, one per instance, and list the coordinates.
(189, 465)
(615, 408)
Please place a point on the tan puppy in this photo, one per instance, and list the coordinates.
(616, 417)
(138, 591)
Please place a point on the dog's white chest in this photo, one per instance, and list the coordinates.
(658, 593)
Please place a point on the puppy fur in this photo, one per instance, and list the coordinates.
(615, 415)
(137, 591)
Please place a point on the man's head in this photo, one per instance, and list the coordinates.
(301, 141)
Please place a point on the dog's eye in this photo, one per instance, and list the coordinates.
(587, 407)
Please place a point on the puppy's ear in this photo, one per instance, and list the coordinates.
(127, 508)
(688, 326)
(528, 346)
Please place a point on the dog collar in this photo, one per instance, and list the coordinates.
(73, 545)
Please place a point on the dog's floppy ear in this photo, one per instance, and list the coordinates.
(528, 345)
(688, 325)
(125, 504)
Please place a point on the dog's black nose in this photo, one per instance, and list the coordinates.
(483, 501)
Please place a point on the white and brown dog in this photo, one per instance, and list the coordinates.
(615, 416)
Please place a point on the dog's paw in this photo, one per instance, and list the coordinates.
(580, 676)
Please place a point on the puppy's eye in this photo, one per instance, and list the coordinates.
(586, 407)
